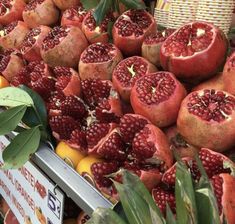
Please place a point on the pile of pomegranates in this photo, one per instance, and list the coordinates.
(134, 102)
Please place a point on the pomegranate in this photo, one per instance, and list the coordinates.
(127, 72)
(213, 163)
(40, 12)
(158, 96)
(229, 74)
(178, 144)
(152, 45)
(210, 115)
(150, 146)
(223, 185)
(65, 4)
(130, 124)
(10, 218)
(216, 82)
(12, 35)
(194, 52)
(99, 60)
(68, 81)
(11, 10)
(96, 33)
(63, 46)
(73, 16)
(30, 47)
(78, 141)
(10, 63)
(130, 29)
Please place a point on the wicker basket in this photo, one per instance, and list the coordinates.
(162, 12)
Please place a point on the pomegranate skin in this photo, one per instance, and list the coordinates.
(229, 74)
(102, 70)
(188, 64)
(131, 45)
(215, 127)
(33, 53)
(45, 13)
(67, 53)
(65, 4)
(161, 111)
(15, 13)
(15, 38)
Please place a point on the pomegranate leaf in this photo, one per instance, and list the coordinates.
(9, 119)
(207, 206)
(89, 4)
(184, 194)
(18, 152)
(101, 10)
(13, 96)
(170, 219)
(134, 4)
(105, 215)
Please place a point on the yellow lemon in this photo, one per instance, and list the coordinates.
(68, 154)
(3, 82)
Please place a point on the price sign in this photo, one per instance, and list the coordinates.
(32, 197)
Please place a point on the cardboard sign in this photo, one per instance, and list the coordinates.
(32, 197)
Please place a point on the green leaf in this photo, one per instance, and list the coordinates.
(135, 207)
(104, 216)
(9, 119)
(184, 193)
(18, 152)
(170, 219)
(40, 111)
(101, 10)
(133, 182)
(134, 4)
(89, 4)
(12, 97)
(206, 205)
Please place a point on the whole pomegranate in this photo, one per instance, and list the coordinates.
(96, 33)
(73, 16)
(158, 96)
(30, 47)
(11, 63)
(63, 46)
(207, 119)
(152, 45)
(194, 52)
(40, 12)
(11, 10)
(127, 72)
(229, 74)
(65, 4)
(12, 35)
(99, 60)
(130, 29)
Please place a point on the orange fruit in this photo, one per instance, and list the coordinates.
(3, 82)
(69, 155)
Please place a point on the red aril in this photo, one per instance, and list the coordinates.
(127, 72)
(65, 4)
(99, 61)
(73, 16)
(78, 141)
(130, 29)
(10, 218)
(68, 81)
(11, 63)
(152, 45)
(96, 33)
(63, 46)
(40, 12)
(194, 52)
(150, 146)
(12, 35)
(11, 10)
(30, 47)
(157, 96)
(229, 75)
(207, 119)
